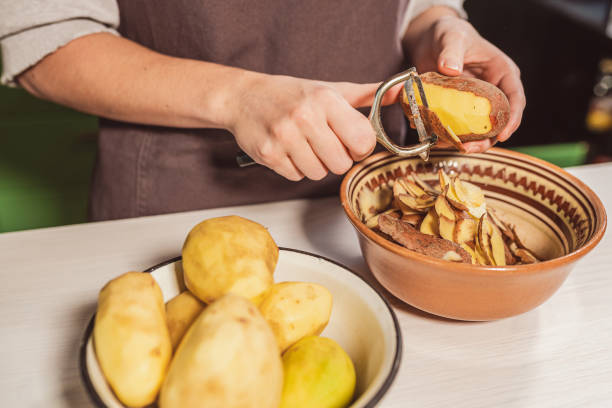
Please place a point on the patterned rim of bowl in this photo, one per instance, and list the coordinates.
(592, 227)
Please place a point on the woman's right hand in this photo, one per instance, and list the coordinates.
(302, 128)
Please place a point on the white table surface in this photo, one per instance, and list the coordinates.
(558, 355)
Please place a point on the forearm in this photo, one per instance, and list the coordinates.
(113, 77)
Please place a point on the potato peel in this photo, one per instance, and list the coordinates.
(457, 214)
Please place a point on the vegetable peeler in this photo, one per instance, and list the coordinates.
(409, 77)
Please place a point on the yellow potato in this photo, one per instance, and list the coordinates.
(295, 310)
(227, 359)
(229, 255)
(181, 311)
(318, 373)
(131, 338)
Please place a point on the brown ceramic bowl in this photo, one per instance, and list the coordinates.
(556, 215)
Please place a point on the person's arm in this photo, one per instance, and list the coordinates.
(439, 40)
(294, 126)
(116, 78)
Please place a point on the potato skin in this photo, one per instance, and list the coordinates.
(131, 339)
(295, 310)
(181, 311)
(227, 359)
(229, 255)
(500, 107)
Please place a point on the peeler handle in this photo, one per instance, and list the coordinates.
(421, 149)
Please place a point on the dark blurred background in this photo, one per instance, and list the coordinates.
(563, 47)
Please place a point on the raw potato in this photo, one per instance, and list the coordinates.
(181, 311)
(472, 108)
(131, 339)
(295, 310)
(228, 359)
(318, 373)
(229, 255)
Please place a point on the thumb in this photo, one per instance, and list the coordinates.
(362, 95)
(450, 59)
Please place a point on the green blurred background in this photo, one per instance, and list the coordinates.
(47, 154)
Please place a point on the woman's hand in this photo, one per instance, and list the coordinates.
(302, 128)
(440, 41)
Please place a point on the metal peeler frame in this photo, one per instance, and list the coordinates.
(409, 78)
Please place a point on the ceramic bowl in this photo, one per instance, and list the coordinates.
(556, 215)
(362, 322)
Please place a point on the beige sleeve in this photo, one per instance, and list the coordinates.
(32, 29)
(416, 7)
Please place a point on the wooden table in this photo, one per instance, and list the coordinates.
(558, 355)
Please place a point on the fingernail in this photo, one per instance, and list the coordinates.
(453, 65)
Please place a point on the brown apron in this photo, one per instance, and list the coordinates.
(145, 170)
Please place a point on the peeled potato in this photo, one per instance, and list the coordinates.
(318, 373)
(227, 359)
(181, 311)
(295, 310)
(473, 109)
(131, 340)
(229, 255)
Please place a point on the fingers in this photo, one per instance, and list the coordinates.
(309, 129)
(270, 154)
(352, 129)
(362, 95)
(288, 170)
(290, 135)
(511, 85)
(328, 148)
(453, 45)
(478, 146)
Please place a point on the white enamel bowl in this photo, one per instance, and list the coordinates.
(362, 322)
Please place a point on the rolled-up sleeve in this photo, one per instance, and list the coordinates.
(33, 29)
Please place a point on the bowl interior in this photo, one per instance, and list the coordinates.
(361, 322)
(553, 212)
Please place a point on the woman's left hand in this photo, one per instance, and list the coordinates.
(438, 40)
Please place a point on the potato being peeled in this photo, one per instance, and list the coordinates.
(131, 339)
(461, 109)
(181, 311)
(229, 255)
(295, 310)
(227, 359)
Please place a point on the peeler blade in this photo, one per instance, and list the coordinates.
(414, 107)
